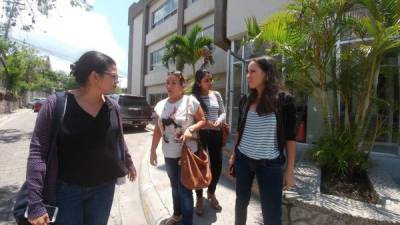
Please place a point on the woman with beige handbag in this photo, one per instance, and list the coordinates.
(179, 117)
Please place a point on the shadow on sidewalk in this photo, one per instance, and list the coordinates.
(134, 130)
(7, 194)
(13, 135)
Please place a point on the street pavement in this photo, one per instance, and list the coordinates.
(15, 134)
(157, 196)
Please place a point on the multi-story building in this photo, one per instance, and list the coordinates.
(152, 22)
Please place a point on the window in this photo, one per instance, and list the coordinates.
(189, 2)
(154, 98)
(155, 58)
(164, 12)
(207, 32)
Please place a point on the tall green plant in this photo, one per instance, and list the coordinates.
(307, 33)
(380, 33)
(188, 49)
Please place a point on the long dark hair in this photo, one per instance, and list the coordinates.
(272, 86)
(89, 62)
(196, 89)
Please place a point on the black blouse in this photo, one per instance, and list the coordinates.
(85, 157)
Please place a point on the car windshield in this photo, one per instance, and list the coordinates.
(132, 101)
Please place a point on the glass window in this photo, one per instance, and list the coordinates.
(189, 2)
(154, 98)
(165, 11)
(207, 32)
(155, 59)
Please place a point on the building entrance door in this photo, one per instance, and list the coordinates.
(236, 87)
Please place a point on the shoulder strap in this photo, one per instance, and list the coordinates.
(58, 116)
(187, 107)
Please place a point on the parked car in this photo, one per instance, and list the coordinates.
(32, 102)
(134, 110)
(38, 104)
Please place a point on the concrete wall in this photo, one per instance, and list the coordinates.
(137, 58)
(198, 10)
(153, 7)
(239, 10)
(157, 89)
(162, 30)
(219, 54)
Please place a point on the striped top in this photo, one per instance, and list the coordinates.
(259, 139)
(215, 107)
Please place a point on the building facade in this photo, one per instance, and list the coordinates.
(152, 22)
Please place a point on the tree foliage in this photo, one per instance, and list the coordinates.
(27, 71)
(188, 49)
(31, 8)
(307, 33)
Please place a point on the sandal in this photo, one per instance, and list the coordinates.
(173, 220)
(199, 206)
(214, 202)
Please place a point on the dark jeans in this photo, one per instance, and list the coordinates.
(212, 142)
(80, 205)
(270, 181)
(181, 196)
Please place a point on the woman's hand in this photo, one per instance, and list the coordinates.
(217, 124)
(187, 135)
(153, 158)
(41, 220)
(288, 179)
(132, 175)
(231, 164)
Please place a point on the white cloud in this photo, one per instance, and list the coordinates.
(68, 32)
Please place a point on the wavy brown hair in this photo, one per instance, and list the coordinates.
(272, 86)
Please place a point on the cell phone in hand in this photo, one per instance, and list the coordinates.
(51, 211)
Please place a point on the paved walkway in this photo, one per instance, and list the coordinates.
(15, 134)
(156, 197)
(157, 200)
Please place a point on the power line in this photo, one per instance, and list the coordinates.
(52, 52)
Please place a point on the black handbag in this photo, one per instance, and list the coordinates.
(21, 199)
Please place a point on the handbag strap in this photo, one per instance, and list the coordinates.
(58, 116)
(187, 108)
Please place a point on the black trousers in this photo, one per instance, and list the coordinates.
(212, 142)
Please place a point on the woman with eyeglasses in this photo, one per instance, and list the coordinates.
(266, 138)
(179, 117)
(89, 154)
(211, 135)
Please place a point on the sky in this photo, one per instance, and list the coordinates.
(68, 32)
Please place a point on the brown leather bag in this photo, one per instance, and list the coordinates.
(195, 168)
(225, 133)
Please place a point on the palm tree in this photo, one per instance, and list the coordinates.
(380, 33)
(307, 34)
(188, 49)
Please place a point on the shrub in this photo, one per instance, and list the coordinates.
(337, 155)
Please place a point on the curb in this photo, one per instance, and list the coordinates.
(153, 207)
